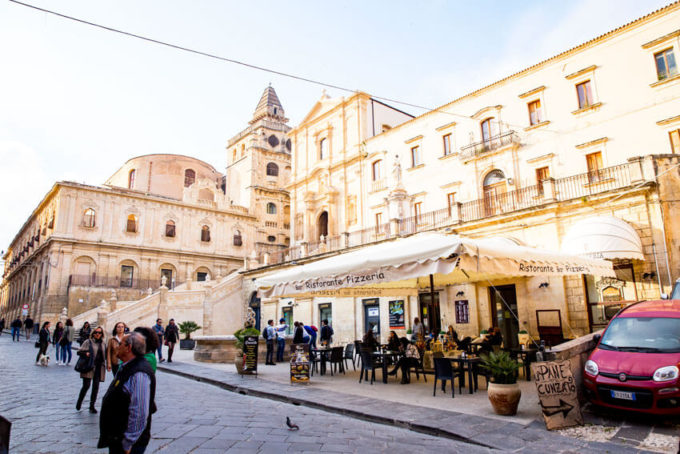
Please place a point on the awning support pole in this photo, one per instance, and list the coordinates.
(433, 305)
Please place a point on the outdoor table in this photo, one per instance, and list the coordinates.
(469, 363)
(384, 355)
(323, 356)
(526, 355)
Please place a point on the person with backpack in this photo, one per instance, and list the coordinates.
(326, 333)
(160, 332)
(269, 334)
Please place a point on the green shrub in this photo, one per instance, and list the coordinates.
(501, 366)
(241, 334)
(187, 328)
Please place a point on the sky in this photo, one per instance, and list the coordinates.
(76, 102)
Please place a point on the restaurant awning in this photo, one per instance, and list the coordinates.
(603, 237)
(451, 259)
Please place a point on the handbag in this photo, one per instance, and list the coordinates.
(85, 363)
(37, 344)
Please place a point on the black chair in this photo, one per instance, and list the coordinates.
(349, 354)
(368, 363)
(314, 360)
(444, 371)
(337, 359)
(357, 349)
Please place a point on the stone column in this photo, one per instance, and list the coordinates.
(102, 314)
(163, 304)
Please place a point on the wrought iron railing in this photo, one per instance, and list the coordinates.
(490, 144)
(547, 191)
(94, 280)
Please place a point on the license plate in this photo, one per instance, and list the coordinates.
(623, 395)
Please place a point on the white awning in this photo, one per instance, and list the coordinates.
(450, 259)
(603, 237)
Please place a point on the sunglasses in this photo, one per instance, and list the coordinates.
(98, 332)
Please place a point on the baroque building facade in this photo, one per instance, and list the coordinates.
(564, 154)
(159, 218)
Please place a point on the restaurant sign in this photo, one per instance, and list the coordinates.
(250, 355)
(556, 389)
(299, 363)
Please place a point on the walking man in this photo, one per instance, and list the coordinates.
(158, 328)
(125, 423)
(28, 325)
(269, 336)
(16, 329)
(281, 339)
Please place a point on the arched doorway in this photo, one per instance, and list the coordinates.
(495, 188)
(322, 225)
(254, 304)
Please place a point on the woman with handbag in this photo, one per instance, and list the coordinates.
(43, 342)
(112, 361)
(66, 342)
(56, 341)
(92, 366)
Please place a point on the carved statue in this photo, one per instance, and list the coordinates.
(396, 171)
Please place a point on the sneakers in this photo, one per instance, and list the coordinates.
(162, 360)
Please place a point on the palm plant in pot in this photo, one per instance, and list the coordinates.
(187, 328)
(503, 390)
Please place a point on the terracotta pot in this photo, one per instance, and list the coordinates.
(504, 398)
(238, 361)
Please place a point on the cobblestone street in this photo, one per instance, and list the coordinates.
(192, 417)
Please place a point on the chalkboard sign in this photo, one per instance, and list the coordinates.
(462, 311)
(5, 427)
(557, 394)
(299, 363)
(396, 314)
(250, 355)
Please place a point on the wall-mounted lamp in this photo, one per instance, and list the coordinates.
(543, 285)
(649, 276)
(460, 293)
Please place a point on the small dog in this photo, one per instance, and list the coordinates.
(44, 360)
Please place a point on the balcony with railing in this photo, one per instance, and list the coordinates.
(122, 282)
(547, 191)
(476, 149)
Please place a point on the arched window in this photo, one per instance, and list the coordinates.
(494, 192)
(322, 148)
(493, 177)
(238, 241)
(189, 177)
(272, 170)
(271, 208)
(89, 218)
(170, 229)
(131, 179)
(488, 129)
(131, 223)
(377, 170)
(205, 233)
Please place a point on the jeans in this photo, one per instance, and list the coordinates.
(28, 333)
(160, 351)
(270, 352)
(64, 350)
(312, 343)
(280, 349)
(16, 333)
(58, 352)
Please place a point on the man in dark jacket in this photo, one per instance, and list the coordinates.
(28, 324)
(16, 329)
(171, 337)
(326, 333)
(125, 422)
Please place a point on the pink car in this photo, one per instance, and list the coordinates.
(635, 363)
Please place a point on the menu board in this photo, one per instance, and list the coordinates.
(557, 394)
(397, 314)
(299, 363)
(462, 311)
(250, 355)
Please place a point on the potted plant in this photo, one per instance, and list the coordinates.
(523, 337)
(240, 336)
(503, 390)
(187, 328)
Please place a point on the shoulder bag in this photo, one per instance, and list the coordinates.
(85, 363)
